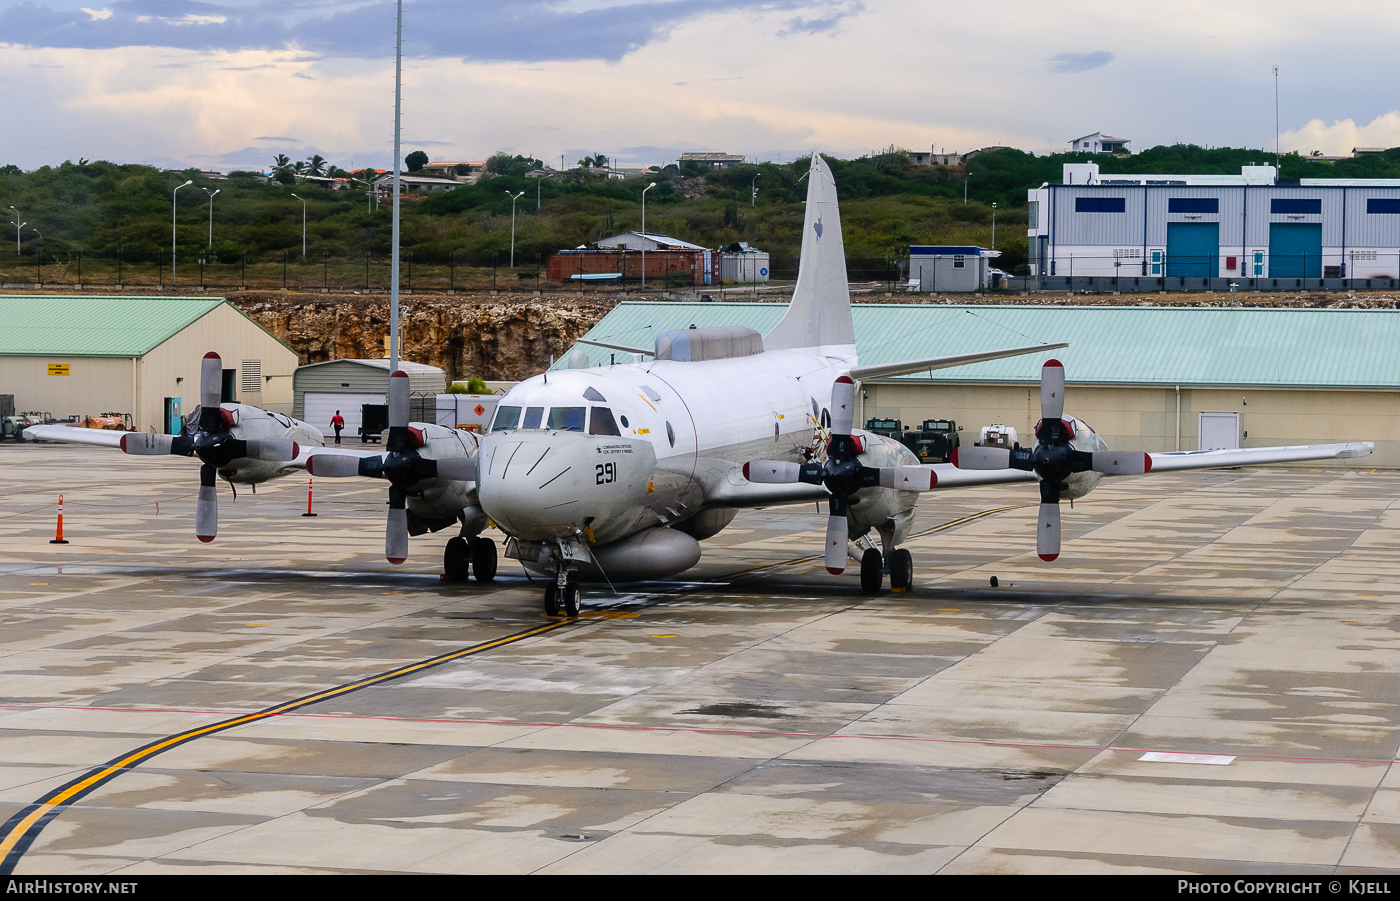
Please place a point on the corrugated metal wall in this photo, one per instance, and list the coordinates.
(353, 377)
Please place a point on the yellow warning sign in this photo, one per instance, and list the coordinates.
(58, 369)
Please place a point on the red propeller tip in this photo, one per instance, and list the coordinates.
(212, 356)
(122, 444)
(396, 560)
(953, 459)
(398, 374)
(205, 538)
(845, 380)
(1146, 462)
(1049, 363)
(746, 472)
(834, 571)
(1048, 558)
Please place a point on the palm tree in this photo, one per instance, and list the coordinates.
(299, 167)
(281, 162)
(316, 165)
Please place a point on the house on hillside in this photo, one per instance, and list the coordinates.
(713, 160)
(1098, 142)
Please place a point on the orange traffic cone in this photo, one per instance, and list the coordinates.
(308, 499)
(58, 538)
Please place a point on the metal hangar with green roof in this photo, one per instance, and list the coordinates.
(70, 355)
(1145, 378)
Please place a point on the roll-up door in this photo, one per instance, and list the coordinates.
(1295, 250)
(1193, 249)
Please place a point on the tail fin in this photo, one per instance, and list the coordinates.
(820, 312)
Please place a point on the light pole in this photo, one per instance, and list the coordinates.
(539, 181)
(211, 214)
(994, 226)
(513, 199)
(644, 233)
(18, 226)
(303, 226)
(398, 161)
(172, 229)
(753, 186)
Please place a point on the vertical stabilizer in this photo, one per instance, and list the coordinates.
(820, 312)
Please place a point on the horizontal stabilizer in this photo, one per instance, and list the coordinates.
(905, 367)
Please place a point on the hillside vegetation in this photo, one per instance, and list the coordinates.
(100, 208)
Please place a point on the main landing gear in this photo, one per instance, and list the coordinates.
(463, 557)
(872, 571)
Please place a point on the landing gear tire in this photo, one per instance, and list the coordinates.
(872, 574)
(901, 570)
(456, 559)
(483, 552)
(571, 599)
(551, 600)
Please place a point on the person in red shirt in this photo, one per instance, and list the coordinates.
(337, 423)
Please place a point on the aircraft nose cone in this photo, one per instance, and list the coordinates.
(530, 487)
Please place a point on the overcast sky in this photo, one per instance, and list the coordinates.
(230, 84)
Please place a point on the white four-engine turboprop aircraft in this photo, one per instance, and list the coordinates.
(240, 444)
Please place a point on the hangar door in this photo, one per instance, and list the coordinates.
(1193, 249)
(1295, 250)
(319, 407)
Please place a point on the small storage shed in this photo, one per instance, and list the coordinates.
(320, 389)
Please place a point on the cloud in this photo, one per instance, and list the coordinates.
(480, 30)
(823, 24)
(1080, 62)
(1338, 137)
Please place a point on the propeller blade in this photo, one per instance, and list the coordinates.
(458, 469)
(273, 450)
(982, 457)
(206, 512)
(1121, 464)
(211, 381)
(1052, 391)
(836, 544)
(396, 529)
(398, 399)
(145, 444)
(908, 478)
(772, 472)
(843, 405)
(332, 466)
(1047, 535)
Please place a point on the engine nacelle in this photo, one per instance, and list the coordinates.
(1085, 439)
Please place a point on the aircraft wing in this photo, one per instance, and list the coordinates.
(75, 435)
(739, 492)
(1254, 456)
(613, 345)
(905, 367)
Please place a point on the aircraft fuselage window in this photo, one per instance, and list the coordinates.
(506, 418)
(567, 419)
(624, 422)
(533, 415)
(602, 422)
(671, 434)
(591, 393)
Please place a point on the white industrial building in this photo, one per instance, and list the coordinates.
(950, 268)
(1254, 229)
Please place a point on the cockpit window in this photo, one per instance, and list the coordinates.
(602, 422)
(591, 393)
(506, 418)
(566, 419)
(533, 415)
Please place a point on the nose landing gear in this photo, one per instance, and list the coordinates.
(872, 571)
(565, 594)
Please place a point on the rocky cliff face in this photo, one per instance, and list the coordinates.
(487, 336)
